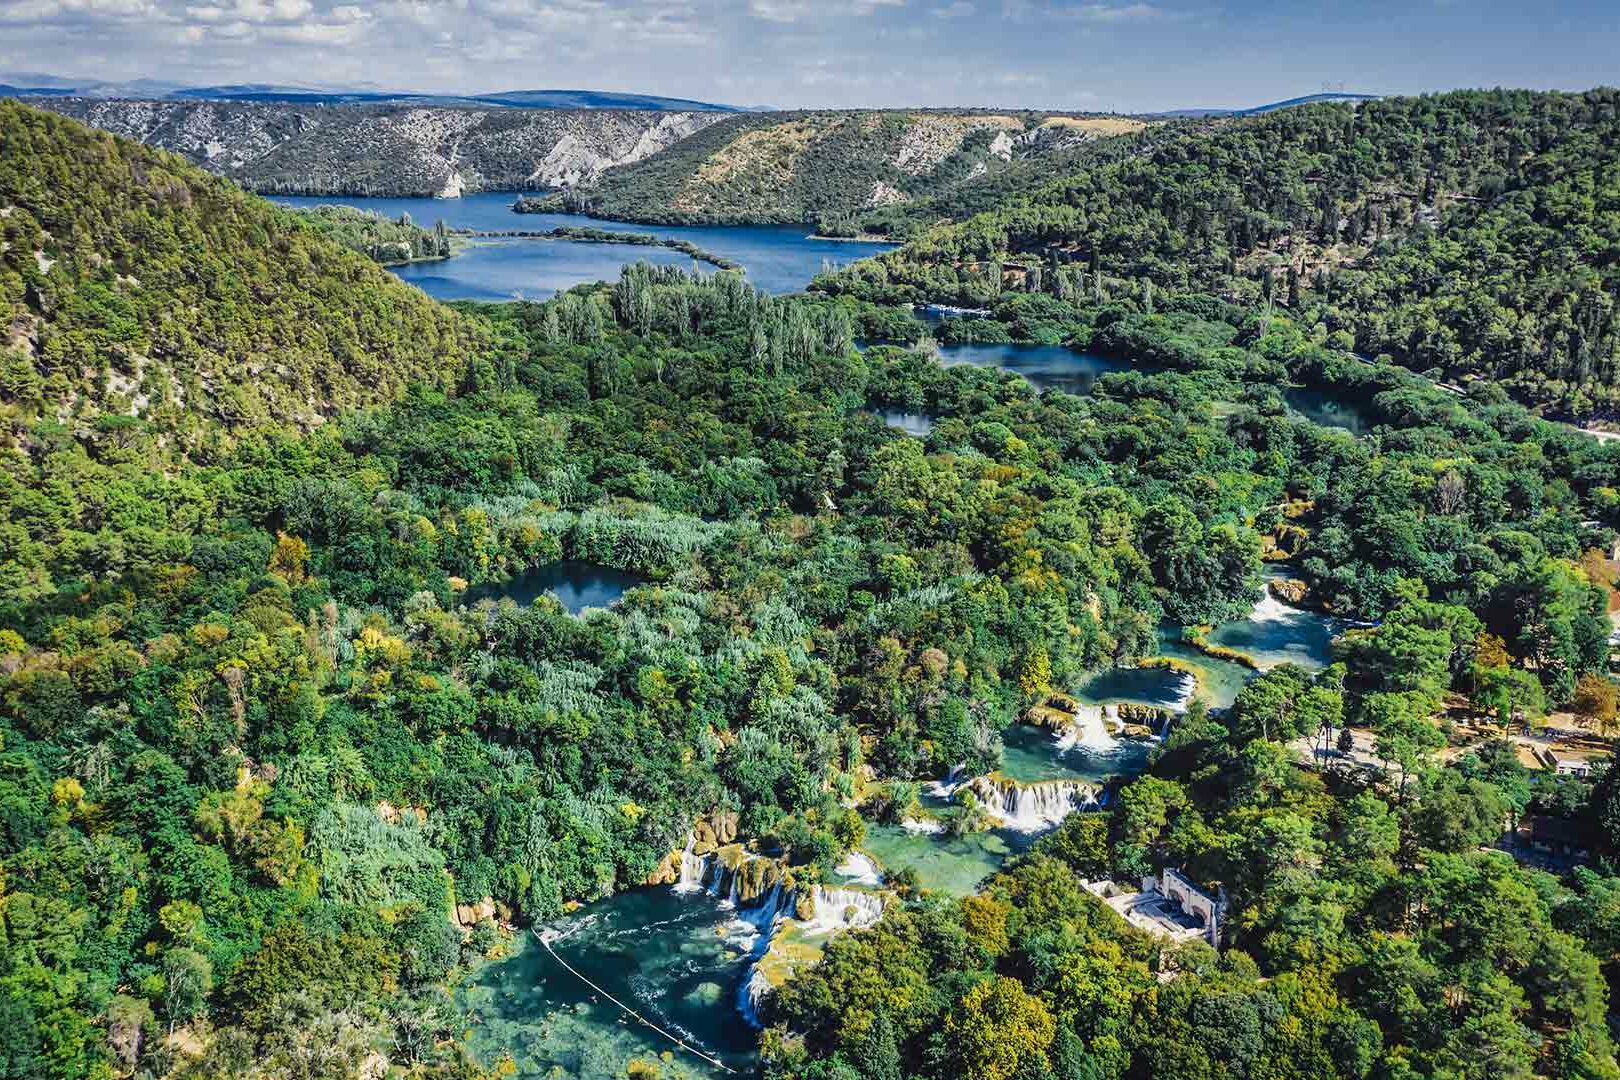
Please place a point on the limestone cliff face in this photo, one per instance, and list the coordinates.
(391, 149)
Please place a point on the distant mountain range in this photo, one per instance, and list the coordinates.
(1258, 110)
(36, 85)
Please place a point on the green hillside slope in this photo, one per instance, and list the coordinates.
(1475, 233)
(133, 285)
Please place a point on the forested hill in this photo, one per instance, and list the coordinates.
(846, 170)
(141, 292)
(1472, 233)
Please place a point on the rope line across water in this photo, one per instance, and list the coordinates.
(628, 1010)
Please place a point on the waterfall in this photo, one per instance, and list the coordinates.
(766, 919)
(1271, 609)
(754, 990)
(923, 826)
(1033, 807)
(693, 868)
(1189, 690)
(860, 869)
(838, 908)
(1089, 731)
(762, 901)
(944, 789)
(763, 915)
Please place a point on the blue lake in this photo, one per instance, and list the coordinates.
(1046, 367)
(578, 585)
(777, 258)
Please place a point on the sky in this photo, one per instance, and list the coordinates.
(1109, 55)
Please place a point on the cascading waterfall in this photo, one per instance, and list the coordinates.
(751, 994)
(1088, 731)
(756, 920)
(694, 868)
(838, 908)
(944, 789)
(1033, 807)
(1271, 609)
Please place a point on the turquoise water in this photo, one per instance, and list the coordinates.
(678, 960)
(950, 864)
(1322, 408)
(1277, 634)
(1162, 688)
(1046, 367)
(1030, 755)
(579, 585)
(777, 258)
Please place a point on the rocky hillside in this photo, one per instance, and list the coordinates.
(140, 295)
(838, 168)
(390, 149)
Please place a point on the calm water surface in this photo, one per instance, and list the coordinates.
(1275, 633)
(778, 258)
(579, 585)
(1046, 367)
(950, 864)
(1320, 407)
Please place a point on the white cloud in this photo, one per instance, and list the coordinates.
(959, 9)
(31, 11)
(1112, 13)
(791, 11)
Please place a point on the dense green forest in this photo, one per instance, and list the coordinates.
(882, 172)
(1472, 234)
(143, 295)
(381, 239)
(255, 740)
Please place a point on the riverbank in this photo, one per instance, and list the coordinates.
(389, 264)
(863, 238)
(582, 235)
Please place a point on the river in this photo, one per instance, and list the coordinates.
(680, 960)
(676, 959)
(776, 258)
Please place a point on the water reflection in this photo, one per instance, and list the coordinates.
(579, 585)
(1046, 367)
(777, 258)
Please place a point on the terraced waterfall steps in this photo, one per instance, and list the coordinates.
(791, 921)
(1033, 807)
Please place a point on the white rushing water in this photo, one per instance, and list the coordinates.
(756, 921)
(944, 789)
(838, 908)
(1033, 807)
(860, 869)
(751, 995)
(694, 868)
(1089, 731)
